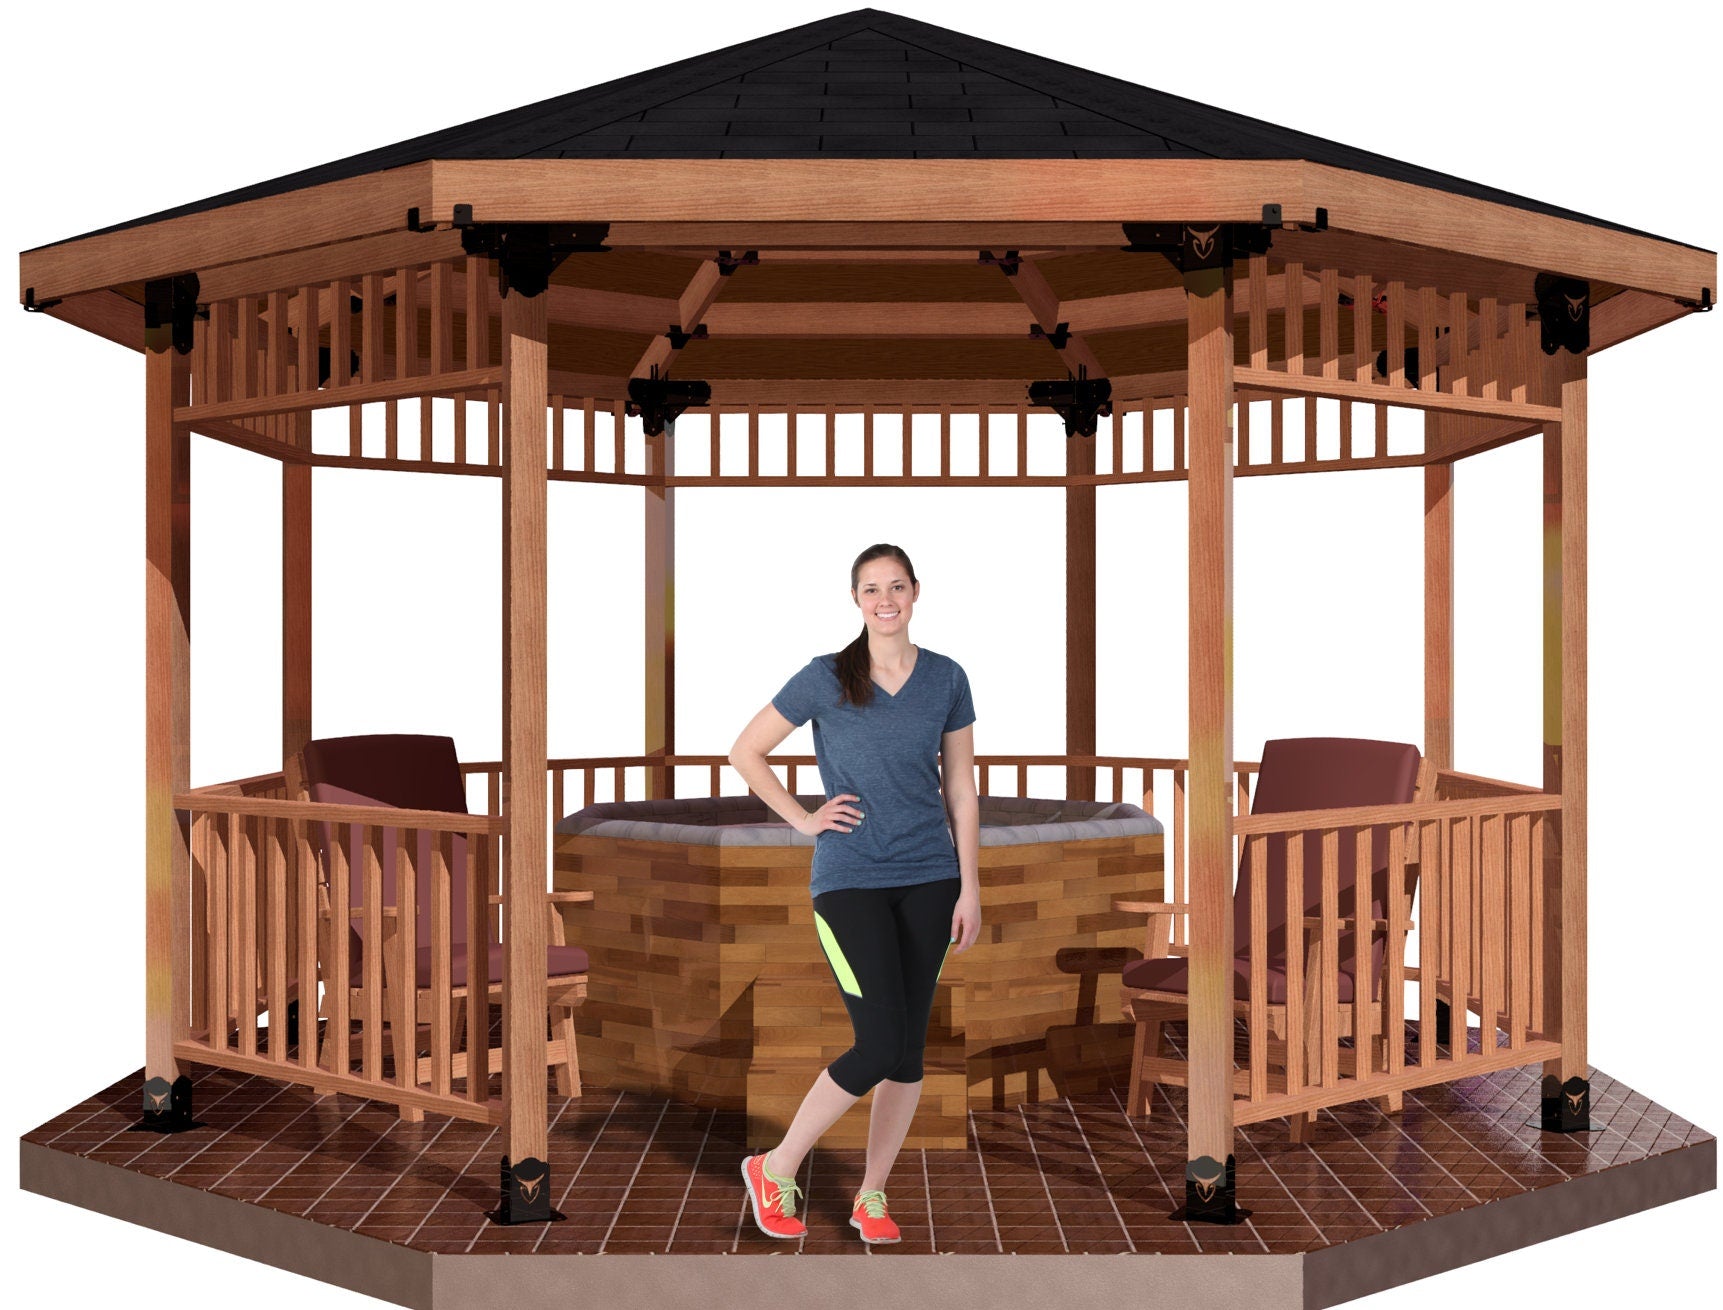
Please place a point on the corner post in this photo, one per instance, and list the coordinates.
(1209, 1171)
(660, 635)
(170, 304)
(526, 1183)
(296, 600)
(1080, 617)
(1566, 1101)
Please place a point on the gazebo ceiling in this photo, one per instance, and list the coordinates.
(870, 160)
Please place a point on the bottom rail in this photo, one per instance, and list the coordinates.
(1274, 1106)
(322, 1080)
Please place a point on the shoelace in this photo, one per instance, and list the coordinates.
(874, 1203)
(787, 1193)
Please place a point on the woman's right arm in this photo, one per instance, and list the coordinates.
(748, 756)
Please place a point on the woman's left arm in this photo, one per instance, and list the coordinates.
(963, 808)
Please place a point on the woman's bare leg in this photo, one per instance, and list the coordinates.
(822, 1107)
(888, 1124)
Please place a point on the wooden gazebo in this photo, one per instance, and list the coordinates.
(831, 223)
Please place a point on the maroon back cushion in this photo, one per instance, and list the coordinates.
(402, 771)
(1322, 773)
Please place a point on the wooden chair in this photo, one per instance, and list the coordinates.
(408, 771)
(1306, 773)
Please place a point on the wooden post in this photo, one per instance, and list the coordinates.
(525, 395)
(1209, 1188)
(1438, 605)
(661, 611)
(167, 720)
(1080, 618)
(296, 596)
(1566, 1084)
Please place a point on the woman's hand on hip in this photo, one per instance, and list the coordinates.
(837, 814)
(966, 919)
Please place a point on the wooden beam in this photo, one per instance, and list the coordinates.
(1401, 211)
(167, 709)
(1376, 393)
(251, 229)
(1438, 610)
(927, 194)
(1209, 805)
(1031, 284)
(690, 309)
(885, 318)
(525, 819)
(325, 263)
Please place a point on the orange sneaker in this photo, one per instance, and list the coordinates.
(871, 1220)
(773, 1198)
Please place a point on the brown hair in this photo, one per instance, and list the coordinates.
(855, 664)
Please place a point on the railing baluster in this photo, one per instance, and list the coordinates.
(245, 989)
(1181, 922)
(221, 848)
(1394, 984)
(1432, 877)
(478, 995)
(442, 1038)
(1363, 948)
(337, 1041)
(1297, 1039)
(306, 869)
(1330, 979)
(1519, 929)
(1494, 832)
(1539, 1019)
(1258, 969)
(275, 852)
(404, 1020)
(371, 931)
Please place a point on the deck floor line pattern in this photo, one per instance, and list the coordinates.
(573, 1178)
(1071, 1175)
(1077, 1123)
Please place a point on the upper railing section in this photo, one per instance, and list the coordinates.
(413, 353)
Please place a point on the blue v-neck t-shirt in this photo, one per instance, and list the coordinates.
(887, 753)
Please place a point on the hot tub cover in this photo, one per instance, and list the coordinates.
(747, 821)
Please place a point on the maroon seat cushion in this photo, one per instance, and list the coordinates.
(559, 961)
(407, 770)
(1172, 974)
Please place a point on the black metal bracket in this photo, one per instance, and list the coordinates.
(34, 306)
(660, 401)
(1058, 338)
(1566, 1107)
(679, 338)
(1008, 263)
(1081, 400)
(1211, 1192)
(170, 308)
(167, 1107)
(1564, 309)
(527, 253)
(413, 223)
(1703, 305)
(729, 261)
(1321, 223)
(525, 1194)
(1191, 248)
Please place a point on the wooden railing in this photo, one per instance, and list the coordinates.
(273, 885)
(1466, 876)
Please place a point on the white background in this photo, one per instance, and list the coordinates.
(120, 112)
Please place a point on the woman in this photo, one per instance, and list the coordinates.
(893, 889)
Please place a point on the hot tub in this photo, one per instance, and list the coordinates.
(707, 982)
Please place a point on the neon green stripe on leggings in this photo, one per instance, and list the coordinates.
(942, 960)
(835, 955)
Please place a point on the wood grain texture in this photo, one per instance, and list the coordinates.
(1209, 295)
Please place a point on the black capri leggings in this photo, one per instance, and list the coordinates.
(886, 947)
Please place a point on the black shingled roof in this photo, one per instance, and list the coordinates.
(868, 84)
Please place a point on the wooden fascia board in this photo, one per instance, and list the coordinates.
(254, 229)
(1377, 206)
(860, 193)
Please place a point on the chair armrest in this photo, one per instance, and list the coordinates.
(1151, 907)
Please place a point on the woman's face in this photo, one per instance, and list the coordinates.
(885, 595)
